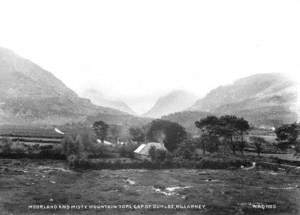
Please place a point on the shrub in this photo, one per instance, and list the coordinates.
(99, 151)
(75, 148)
(297, 147)
(56, 152)
(157, 155)
(72, 144)
(161, 155)
(78, 161)
(220, 162)
(6, 145)
(258, 143)
(186, 150)
(127, 150)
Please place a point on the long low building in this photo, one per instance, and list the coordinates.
(32, 136)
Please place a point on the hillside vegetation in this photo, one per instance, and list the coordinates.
(262, 99)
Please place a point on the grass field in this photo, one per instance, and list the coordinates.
(29, 182)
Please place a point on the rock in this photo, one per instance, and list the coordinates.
(131, 182)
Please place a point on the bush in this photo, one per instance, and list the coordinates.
(297, 147)
(78, 161)
(157, 155)
(99, 151)
(76, 148)
(6, 145)
(127, 150)
(186, 150)
(56, 152)
(72, 144)
(221, 162)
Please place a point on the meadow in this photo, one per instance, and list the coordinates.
(24, 184)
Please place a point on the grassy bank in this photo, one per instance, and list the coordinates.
(206, 162)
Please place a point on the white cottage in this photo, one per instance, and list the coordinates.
(142, 152)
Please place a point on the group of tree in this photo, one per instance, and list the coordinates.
(258, 143)
(287, 135)
(170, 133)
(230, 129)
(226, 129)
(101, 130)
(137, 134)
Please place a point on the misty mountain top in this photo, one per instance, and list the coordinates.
(29, 92)
(100, 99)
(21, 78)
(175, 101)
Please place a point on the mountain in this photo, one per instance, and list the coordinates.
(187, 119)
(173, 102)
(263, 99)
(29, 94)
(99, 99)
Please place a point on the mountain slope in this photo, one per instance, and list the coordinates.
(263, 99)
(187, 119)
(99, 99)
(30, 94)
(173, 102)
(22, 78)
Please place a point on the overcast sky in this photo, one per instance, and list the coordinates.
(139, 50)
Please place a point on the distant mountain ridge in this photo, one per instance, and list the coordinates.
(263, 99)
(99, 99)
(31, 95)
(175, 101)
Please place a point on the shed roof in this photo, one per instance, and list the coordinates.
(105, 142)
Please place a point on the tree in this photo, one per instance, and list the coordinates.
(186, 150)
(169, 133)
(258, 143)
(241, 146)
(234, 128)
(208, 143)
(297, 148)
(101, 129)
(202, 142)
(209, 127)
(242, 127)
(115, 132)
(286, 135)
(137, 134)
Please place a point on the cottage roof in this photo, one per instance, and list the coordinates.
(145, 148)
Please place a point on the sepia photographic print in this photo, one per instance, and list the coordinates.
(172, 107)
